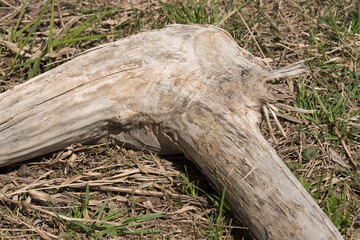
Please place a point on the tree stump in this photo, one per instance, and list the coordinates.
(182, 89)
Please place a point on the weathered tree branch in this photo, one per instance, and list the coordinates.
(182, 89)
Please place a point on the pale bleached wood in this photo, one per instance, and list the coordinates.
(182, 89)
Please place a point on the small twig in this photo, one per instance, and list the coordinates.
(60, 16)
(70, 219)
(226, 18)
(31, 228)
(233, 227)
(15, 8)
(26, 188)
(289, 118)
(4, 177)
(150, 193)
(160, 166)
(12, 47)
(266, 113)
(141, 167)
(125, 174)
(276, 120)
(345, 147)
(293, 109)
(257, 44)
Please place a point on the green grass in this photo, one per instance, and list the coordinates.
(334, 92)
(215, 229)
(101, 230)
(69, 37)
(196, 12)
(188, 187)
(340, 92)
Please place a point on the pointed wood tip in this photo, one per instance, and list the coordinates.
(292, 70)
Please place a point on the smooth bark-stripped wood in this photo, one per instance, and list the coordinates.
(183, 89)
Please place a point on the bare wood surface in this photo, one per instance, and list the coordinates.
(182, 89)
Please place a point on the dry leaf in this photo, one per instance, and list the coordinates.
(336, 158)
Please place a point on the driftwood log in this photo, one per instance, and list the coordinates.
(183, 89)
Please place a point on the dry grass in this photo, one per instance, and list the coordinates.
(320, 149)
(119, 181)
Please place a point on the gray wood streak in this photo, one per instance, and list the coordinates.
(188, 89)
